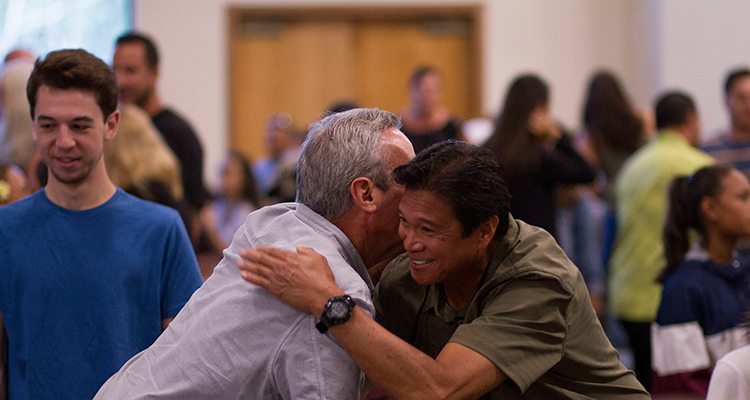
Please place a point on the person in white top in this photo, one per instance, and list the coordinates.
(731, 376)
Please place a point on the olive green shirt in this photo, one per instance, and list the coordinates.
(532, 317)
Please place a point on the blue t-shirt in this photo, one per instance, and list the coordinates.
(83, 291)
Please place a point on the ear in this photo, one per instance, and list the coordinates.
(110, 125)
(486, 231)
(708, 208)
(364, 194)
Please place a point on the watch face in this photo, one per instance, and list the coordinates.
(339, 309)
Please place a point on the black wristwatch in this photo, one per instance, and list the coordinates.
(338, 309)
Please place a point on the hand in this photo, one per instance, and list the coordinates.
(302, 280)
(542, 125)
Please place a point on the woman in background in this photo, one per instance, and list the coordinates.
(534, 153)
(614, 130)
(238, 198)
(706, 283)
(139, 162)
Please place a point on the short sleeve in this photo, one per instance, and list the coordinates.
(677, 340)
(678, 305)
(181, 275)
(521, 328)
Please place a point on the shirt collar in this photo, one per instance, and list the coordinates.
(436, 295)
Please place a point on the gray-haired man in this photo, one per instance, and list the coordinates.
(234, 340)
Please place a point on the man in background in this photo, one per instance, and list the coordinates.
(733, 146)
(90, 274)
(136, 63)
(640, 191)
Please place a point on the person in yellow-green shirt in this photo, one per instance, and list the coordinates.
(640, 192)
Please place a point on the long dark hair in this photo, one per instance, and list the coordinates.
(249, 188)
(608, 116)
(685, 196)
(517, 148)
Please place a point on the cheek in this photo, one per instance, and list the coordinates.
(401, 232)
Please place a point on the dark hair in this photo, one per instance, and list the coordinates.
(517, 148)
(672, 109)
(685, 195)
(249, 188)
(420, 72)
(732, 76)
(149, 48)
(74, 69)
(469, 178)
(608, 116)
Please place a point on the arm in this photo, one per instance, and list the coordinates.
(680, 354)
(165, 323)
(564, 165)
(400, 369)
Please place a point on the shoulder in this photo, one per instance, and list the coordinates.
(19, 212)
(738, 359)
(139, 210)
(167, 119)
(687, 275)
(536, 253)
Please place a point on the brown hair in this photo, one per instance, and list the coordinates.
(74, 69)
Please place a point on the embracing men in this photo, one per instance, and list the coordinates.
(481, 305)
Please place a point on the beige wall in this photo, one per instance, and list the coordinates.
(651, 44)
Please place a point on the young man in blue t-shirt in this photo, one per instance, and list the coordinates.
(89, 275)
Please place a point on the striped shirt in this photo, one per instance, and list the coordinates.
(728, 151)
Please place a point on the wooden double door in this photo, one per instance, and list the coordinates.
(302, 61)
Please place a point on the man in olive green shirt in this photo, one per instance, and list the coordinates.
(481, 306)
(640, 191)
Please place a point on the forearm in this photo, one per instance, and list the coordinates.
(400, 369)
(404, 372)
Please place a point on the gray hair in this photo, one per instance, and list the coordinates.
(340, 148)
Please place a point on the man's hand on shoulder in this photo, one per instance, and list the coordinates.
(300, 279)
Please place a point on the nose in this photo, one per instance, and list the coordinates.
(65, 139)
(411, 241)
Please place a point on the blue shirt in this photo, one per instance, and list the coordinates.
(83, 291)
(701, 307)
(728, 151)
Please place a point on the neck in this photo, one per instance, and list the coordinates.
(91, 193)
(459, 291)
(153, 104)
(720, 248)
(371, 249)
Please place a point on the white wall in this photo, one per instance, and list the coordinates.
(700, 42)
(650, 44)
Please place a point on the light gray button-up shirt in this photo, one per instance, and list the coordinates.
(234, 340)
